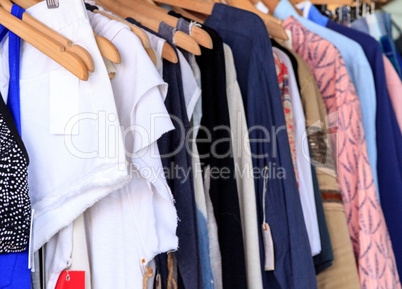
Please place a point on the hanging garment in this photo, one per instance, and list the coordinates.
(194, 112)
(357, 67)
(306, 187)
(389, 138)
(247, 36)
(140, 219)
(283, 80)
(394, 86)
(15, 206)
(243, 173)
(368, 108)
(215, 147)
(182, 188)
(192, 96)
(60, 125)
(80, 253)
(365, 221)
(325, 258)
(343, 272)
(202, 197)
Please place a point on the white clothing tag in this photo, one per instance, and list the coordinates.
(64, 101)
(31, 253)
(288, 43)
(268, 248)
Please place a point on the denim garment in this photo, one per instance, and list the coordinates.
(188, 254)
(183, 26)
(247, 36)
(389, 141)
(207, 276)
(357, 66)
(14, 272)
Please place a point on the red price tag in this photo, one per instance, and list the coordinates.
(71, 280)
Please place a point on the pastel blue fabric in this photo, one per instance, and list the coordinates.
(14, 272)
(358, 68)
(247, 36)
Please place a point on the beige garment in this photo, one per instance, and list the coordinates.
(243, 173)
(343, 273)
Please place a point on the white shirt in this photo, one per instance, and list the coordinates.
(306, 188)
(64, 121)
(139, 220)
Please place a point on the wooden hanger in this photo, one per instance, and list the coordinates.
(272, 4)
(201, 36)
(181, 39)
(67, 43)
(137, 31)
(106, 48)
(187, 14)
(329, 2)
(206, 8)
(45, 44)
(168, 52)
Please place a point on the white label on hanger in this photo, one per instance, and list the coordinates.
(64, 101)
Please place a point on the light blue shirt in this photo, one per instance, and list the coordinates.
(358, 68)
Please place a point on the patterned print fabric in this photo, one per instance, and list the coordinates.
(15, 205)
(367, 228)
(283, 79)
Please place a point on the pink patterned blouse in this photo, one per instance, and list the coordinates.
(367, 228)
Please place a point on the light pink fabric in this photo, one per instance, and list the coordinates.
(366, 224)
(394, 86)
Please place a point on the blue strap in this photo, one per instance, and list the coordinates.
(14, 52)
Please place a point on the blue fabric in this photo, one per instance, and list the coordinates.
(247, 36)
(203, 237)
(13, 102)
(188, 254)
(207, 276)
(389, 53)
(384, 22)
(14, 272)
(360, 72)
(389, 140)
(315, 16)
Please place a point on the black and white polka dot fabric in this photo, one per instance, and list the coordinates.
(15, 206)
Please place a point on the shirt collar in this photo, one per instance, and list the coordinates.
(315, 16)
